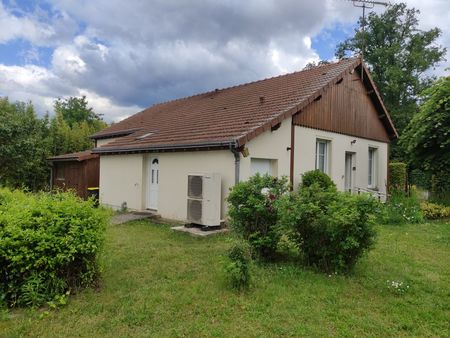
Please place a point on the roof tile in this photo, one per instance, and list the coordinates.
(225, 115)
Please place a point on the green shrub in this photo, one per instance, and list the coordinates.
(434, 211)
(401, 209)
(253, 212)
(317, 177)
(49, 244)
(397, 176)
(334, 229)
(238, 266)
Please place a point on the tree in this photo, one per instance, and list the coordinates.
(73, 124)
(26, 141)
(398, 55)
(75, 110)
(24, 146)
(427, 137)
(314, 64)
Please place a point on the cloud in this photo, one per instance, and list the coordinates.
(128, 55)
(38, 27)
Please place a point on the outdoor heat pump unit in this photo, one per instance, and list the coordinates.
(203, 200)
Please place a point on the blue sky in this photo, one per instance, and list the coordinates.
(127, 55)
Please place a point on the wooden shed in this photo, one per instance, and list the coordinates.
(78, 171)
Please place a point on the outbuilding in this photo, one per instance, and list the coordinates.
(76, 171)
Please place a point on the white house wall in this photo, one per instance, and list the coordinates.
(305, 157)
(270, 145)
(123, 178)
(174, 169)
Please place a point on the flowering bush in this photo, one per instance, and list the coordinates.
(401, 209)
(434, 211)
(397, 287)
(253, 211)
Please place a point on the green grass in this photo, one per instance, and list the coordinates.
(164, 284)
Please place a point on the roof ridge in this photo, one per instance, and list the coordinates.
(297, 103)
(231, 87)
(251, 82)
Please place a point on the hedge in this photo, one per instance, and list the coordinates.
(397, 176)
(49, 245)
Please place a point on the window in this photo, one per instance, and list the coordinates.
(322, 153)
(263, 166)
(60, 172)
(372, 175)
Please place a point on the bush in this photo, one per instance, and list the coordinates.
(253, 211)
(317, 177)
(238, 266)
(334, 229)
(434, 211)
(401, 208)
(49, 244)
(397, 176)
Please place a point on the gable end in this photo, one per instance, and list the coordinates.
(348, 108)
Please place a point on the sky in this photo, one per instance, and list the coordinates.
(128, 55)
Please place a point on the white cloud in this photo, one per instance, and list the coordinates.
(25, 83)
(128, 55)
(37, 27)
(104, 106)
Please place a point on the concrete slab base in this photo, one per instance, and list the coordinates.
(130, 216)
(199, 232)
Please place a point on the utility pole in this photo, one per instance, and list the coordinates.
(369, 5)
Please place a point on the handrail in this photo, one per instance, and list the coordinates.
(374, 193)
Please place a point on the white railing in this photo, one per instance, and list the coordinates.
(377, 194)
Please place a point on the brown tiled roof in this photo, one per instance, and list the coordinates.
(224, 117)
(78, 156)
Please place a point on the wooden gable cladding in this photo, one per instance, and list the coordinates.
(346, 108)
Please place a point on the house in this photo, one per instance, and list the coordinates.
(77, 171)
(329, 117)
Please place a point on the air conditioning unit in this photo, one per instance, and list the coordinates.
(204, 199)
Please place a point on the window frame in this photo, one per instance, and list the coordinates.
(61, 172)
(273, 166)
(372, 166)
(326, 155)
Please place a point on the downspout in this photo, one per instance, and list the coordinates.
(292, 157)
(237, 162)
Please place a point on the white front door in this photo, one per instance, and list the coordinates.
(348, 172)
(153, 181)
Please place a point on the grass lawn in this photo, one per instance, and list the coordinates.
(165, 284)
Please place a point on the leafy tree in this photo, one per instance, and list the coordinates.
(427, 137)
(67, 139)
(313, 64)
(398, 55)
(75, 110)
(26, 141)
(73, 124)
(24, 146)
